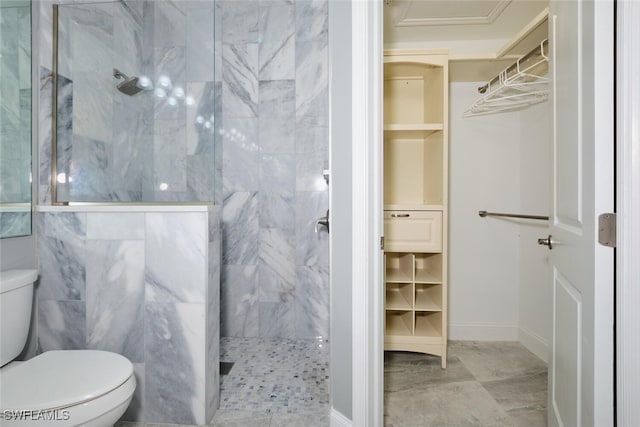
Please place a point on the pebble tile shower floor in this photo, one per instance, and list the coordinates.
(275, 375)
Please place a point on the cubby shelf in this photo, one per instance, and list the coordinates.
(415, 201)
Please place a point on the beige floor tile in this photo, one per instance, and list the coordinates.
(297, 420)
(489, 361)
(405, 371)
(523, 391)
(464, 404)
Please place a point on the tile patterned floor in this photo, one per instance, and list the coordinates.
(485, 384)
(282, 383)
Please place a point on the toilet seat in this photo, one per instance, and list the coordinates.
(60, 379)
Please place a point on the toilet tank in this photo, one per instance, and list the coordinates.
(16, 296)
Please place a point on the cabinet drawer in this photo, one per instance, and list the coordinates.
(413, 231)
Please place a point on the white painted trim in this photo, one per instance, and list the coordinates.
(476, 331)
(534, 343)
(493, 14)
(628, 210)
(338, 420)
(367, 294)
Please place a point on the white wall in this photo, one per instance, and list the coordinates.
(498, 287)
(484, 252)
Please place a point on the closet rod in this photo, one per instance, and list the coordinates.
(540, 217)
(538, 50)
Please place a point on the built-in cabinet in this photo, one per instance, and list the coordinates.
(415, 200)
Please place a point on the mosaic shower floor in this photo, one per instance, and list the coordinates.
(275, 376)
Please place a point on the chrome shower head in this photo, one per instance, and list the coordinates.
(130, 84)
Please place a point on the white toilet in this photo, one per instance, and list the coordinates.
(56, 388)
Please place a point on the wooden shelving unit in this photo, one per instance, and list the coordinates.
(415, 198)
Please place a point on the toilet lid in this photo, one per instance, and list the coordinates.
(58, 379)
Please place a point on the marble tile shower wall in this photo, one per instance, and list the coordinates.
(144, 285)
(275, 278)
(141, 148)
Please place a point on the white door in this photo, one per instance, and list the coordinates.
(581, 359)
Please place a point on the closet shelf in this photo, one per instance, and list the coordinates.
(411, 131)
(523, 84)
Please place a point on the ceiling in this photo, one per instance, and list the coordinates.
(483, 37)
(462, 26)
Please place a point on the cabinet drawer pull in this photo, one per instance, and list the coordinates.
(400, 215)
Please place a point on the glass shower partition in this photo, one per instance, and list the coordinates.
(138, 103)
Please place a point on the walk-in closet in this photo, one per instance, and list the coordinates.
(467, 140)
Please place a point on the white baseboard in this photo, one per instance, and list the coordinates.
(483, 331)
(339, 420)
(534, 343)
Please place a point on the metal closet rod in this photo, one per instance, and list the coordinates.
(538, 50)
(510, 215)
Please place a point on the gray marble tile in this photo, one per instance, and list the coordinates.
(277, 319)
(115, 297)
(175, 255)
(240, 229)
(277, 116)
(240, 79)
(203, 117)
(489, 361)
(170, 155)
(240, 21)
(457, 404)
(312, 20)
(311, 79)
(276, 268)
(175, 339)
(213, 314)
(128, 36)
(233, 418)
(240, 155)
(312, 134)
(277, 173)
(44, 129)
(296, 420)
(200, 42)
(277, 209)
(528, 417)
(62, 256)
(61, 325)
(170, 64)
(311, 248)
(408, 371)
(135, 411)
(239, 301)
(277, 42)
(169, 23)
(312, 302)
(200, 178)
(92, 66)
(309, 168)
(90, 175)
(115, 226)
(518, 392)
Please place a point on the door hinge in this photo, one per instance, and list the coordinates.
(382, 243)
(607, 230)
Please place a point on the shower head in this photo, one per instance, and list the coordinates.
(130, 84)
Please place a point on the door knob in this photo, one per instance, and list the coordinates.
(546, 242)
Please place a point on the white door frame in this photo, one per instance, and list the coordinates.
(367, 305)
(368, 338)
(628, 210)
